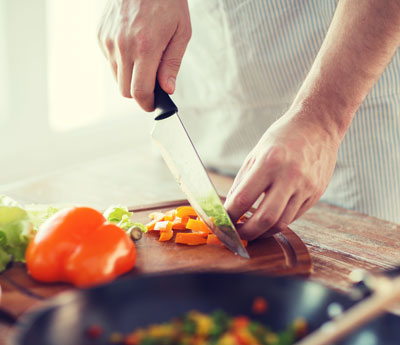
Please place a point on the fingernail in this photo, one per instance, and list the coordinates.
(171, 84)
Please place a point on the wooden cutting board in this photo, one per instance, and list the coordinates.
(282, 254)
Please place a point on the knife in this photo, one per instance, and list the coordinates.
(185, 165)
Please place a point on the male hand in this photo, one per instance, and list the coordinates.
(291, 165)
(143, 39)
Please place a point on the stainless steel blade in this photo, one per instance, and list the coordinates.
(186, 166)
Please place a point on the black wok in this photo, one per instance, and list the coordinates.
(128, 303)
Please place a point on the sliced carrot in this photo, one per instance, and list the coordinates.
(191, 239)
(170, 215)
(166, 235)
(150, 226)
(184, 220)
(185, 211)
(177, 224)
(214, 240)
(157, 216)
(198, 226)
(164, 225)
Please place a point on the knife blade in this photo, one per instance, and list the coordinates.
(186, 166)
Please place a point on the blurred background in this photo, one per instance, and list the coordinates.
(59, 104)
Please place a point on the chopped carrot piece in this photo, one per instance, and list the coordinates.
(157, 216)
(185, 211)
(260, 305)
(198, 226)
(170, 215)
(166, 235)
(164, 225)
(177, 224)
(184, 221)
(150, 226)
(214, 240)
(190, 238)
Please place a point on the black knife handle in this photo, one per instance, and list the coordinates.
(163, 104)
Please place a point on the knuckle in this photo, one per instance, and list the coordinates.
(109, 44)
(173, 64)
(275, 156)
(122, 43)
(125, 93)
(266, 219)
(140, 95)
(241, 201)
(187, 33)
(296, 171)
(143, 44)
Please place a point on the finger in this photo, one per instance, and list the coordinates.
(252, 185)
(171, 61)
(238, 178)
(124, 77)
(292, 208)
(114, 68)
(143, 82)
(271, 232)
(267, 214)
(307, 204)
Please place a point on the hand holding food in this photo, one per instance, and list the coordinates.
(142, 40)
(291, 166)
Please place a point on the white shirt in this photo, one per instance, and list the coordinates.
(242, 69)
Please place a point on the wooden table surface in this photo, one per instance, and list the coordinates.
(339, 240)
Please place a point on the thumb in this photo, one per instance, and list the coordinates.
(171, 62)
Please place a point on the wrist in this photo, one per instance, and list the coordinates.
(327, 108)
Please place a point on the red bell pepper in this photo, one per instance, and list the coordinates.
(79, 246)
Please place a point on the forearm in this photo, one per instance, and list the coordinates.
(361, 40)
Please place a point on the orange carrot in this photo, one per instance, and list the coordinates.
(191, 239)
(150, 226)
(156, 216)
(165, 235)
(184, 221)
(177, 224)
(185, 211)
(170, 215)
(214, 240)
(198, 226)
(164, 225)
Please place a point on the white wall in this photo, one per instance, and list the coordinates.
(3, 62)
(29, 145)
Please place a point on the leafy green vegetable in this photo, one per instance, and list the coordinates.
(38, 214)
(18, 225)
(121, 216)
(213, 207)
(16, 230)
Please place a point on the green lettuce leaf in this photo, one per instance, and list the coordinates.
(38, 214)
(121, 216)
(16, 230)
